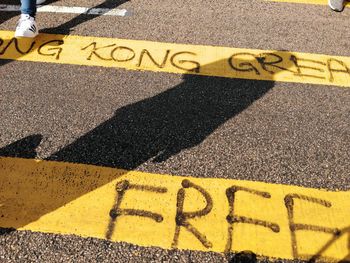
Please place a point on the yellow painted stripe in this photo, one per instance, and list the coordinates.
(311, 2)
(277, 221)
(179, 58)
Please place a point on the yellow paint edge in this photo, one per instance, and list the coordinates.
(225, 215)
(213, 61)
(311, 2)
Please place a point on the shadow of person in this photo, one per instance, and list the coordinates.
(155, 129)
(24, 148)
(161, 126)
(7, 16)
(244, 257)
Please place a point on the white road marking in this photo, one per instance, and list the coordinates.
(70, 10)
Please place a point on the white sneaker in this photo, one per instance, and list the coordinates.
(39, 2)
(336, 5)
(26, 27)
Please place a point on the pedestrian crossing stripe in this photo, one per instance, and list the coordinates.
(213, 61)
(175, 212)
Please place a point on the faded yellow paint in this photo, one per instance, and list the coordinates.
(179, 58)
(311, 2)
(77, 199)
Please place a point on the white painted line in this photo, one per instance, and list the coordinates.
(70, 10)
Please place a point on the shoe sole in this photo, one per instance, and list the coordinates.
(23, 35)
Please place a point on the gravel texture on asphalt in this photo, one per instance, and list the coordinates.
(274, 132)
(25, 246)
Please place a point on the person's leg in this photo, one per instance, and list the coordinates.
(26, 26)
(28, 7)
(336, 5)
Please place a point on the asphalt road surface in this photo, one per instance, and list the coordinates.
(279, 132)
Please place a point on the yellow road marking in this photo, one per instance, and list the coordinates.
(179, 58)
(311, 2)
(276, 221)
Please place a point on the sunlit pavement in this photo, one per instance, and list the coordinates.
(249, 97)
